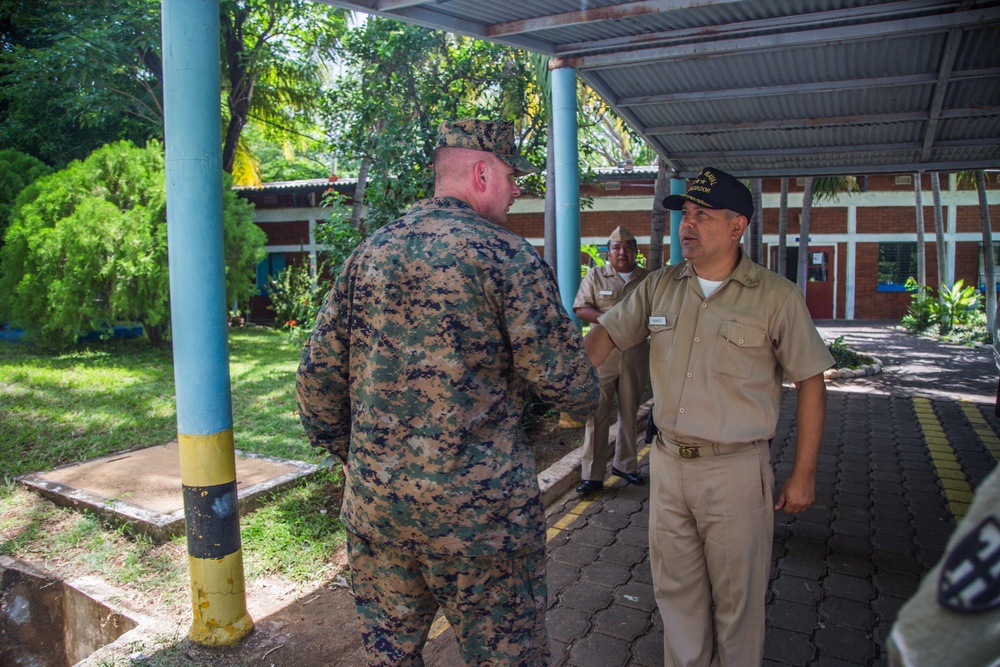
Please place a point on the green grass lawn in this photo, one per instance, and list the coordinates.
(58, 408)
(68, 406)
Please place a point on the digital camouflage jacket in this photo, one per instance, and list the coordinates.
(417, 373)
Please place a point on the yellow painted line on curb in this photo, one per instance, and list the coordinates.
(982, 429)
(956, 487)
(440, 624)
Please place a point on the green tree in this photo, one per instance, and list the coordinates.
(816, 189)
(77, 75)
(398, 83)
(273, 65)
(17, 170)
(88, 247)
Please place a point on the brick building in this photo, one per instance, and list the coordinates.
(862, 245)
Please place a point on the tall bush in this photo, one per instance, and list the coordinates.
(17, 170)
(87, 247)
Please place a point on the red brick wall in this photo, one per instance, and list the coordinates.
(869, 303)
(286, 233)
(967, 219)
(967, 262)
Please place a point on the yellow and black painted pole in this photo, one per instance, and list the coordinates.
(193, 140)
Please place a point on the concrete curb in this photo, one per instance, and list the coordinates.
(848, 373)
(564, 474)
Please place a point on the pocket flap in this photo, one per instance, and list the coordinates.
(742, 335)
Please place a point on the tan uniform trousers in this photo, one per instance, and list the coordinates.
(710, 530)
(627, 374)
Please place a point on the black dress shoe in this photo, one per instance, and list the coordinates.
(589, 486)
(630, 477)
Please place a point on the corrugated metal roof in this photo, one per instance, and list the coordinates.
(768, 87)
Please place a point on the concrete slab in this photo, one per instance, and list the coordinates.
(142, 487)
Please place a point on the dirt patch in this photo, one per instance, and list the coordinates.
(295, 623)
(550, 440)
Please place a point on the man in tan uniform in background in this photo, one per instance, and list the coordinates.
(624, 373)
(724, 332)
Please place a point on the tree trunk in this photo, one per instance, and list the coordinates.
(939, 232)
(155, 333)
(802, 275)
(551, 253)
(782, 228)
(658, 219)
(359, 192)
(989, 266)
(757, 224)
(241, 84)
(921, 258)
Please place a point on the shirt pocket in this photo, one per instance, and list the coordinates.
(607, 299)
(741, 344)
(661, 335)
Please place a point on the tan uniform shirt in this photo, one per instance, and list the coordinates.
(602, 288)
(717, 364)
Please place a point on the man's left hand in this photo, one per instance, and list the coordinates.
(796, 495)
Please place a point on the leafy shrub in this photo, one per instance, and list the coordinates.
(955, 315)
(845, 357)
(922, 313)
(87, 247)
(17, 171)
(956, 306)
(294, 299)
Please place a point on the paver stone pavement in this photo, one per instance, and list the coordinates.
(884, 510)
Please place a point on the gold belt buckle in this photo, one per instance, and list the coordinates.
(689, 452)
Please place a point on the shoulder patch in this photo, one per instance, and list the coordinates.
(970, 576)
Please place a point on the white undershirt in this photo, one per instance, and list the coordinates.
(626, 276)
(709, 286)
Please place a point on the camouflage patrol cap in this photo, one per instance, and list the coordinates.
(496, 137)
(621, 234)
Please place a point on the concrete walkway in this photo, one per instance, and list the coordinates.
(902, 453)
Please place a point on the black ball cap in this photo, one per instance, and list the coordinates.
(715, 188)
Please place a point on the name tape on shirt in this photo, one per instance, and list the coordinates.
(606, 292)
(657, 321)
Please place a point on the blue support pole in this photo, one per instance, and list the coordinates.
(193, 140)
(678, 186)
(567, 185)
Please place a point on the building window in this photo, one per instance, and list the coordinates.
(996, 266)
(269, 268)
(896, 263)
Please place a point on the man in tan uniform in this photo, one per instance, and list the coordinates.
(624, 373)
(724, 332)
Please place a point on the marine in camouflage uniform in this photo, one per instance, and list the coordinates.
(423, 357)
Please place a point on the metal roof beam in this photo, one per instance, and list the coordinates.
(423, 14)
(832, 150)
(853, 168)
(815, 123)
(394, 5)
(609, 13)
(944, 71)
(821, 37)
(802, 88)
(877, 12)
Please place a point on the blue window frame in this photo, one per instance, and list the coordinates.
(269, 268)
(896, 263)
